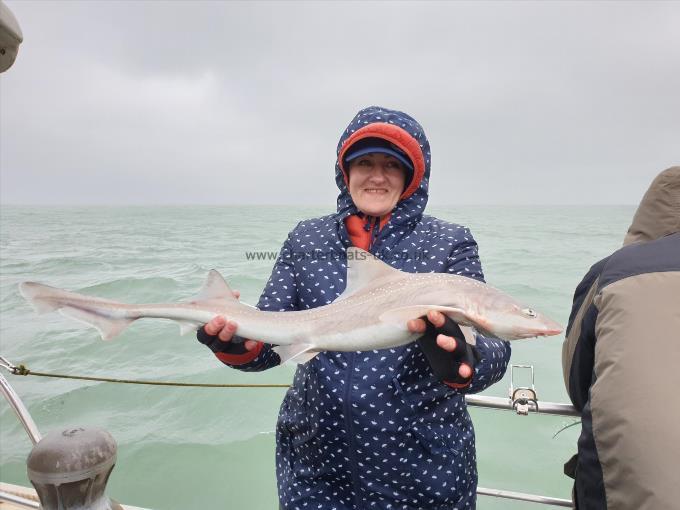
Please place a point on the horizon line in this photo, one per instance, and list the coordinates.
(321, 206)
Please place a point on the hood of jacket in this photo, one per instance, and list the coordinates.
(403, 131)
(658, 214)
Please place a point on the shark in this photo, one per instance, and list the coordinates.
(372, 313)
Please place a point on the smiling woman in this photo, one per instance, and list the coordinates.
(383, 428)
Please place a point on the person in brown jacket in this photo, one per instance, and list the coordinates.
(621, 362)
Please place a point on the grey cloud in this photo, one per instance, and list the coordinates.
(243, 102)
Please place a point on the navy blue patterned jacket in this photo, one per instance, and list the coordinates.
(363, 430)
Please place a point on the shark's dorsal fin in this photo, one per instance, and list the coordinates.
(214, 288)
(364, 268)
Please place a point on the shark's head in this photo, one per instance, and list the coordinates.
(514, 321)
(490, 311)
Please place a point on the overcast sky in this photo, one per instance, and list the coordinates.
(231, 103)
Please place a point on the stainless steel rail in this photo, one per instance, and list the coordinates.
(20, 410)
(550, 408)
(554, 408)
(18, 500)
(533, 498)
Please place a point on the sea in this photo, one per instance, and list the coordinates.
(206, 448)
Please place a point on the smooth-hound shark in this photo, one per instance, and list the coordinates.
(371, 313)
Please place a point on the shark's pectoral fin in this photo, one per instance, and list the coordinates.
(108, 327)
(400, 316)
(297, 353)
(188, 327)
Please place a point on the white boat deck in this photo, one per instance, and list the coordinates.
(27, 498)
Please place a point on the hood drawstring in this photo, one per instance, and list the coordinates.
(374, 232)
(367, 225)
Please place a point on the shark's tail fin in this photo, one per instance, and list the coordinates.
(81, 308)
(41, 297)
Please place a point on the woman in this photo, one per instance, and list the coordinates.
(373, 429)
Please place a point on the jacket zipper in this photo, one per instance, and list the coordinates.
(375, 236)
(372, 225)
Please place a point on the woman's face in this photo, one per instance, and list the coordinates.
(376, 181)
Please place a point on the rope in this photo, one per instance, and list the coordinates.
(22, 370)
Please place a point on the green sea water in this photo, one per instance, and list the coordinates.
(186, 448)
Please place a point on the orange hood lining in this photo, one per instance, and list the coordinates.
(399, 137)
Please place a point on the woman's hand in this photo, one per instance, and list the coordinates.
(448, 343)
(225, 329)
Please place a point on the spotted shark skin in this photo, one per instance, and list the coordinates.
(371, 314)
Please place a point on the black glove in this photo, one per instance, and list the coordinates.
(235, 346)
(445, 364)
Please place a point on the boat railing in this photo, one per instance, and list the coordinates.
(551, 408)
(17, 501)
(546, 408)
(17, 405)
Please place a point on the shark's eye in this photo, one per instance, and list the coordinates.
(529, 312)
